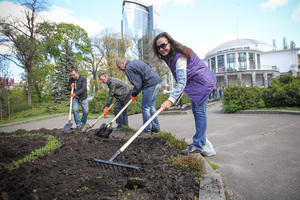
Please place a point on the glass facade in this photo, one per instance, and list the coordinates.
(213, 64)
(258, 61)
(136, 20)
(252, 60)
(242, 61)
(221, 63)
(140, 22)
(239, 61)
(231, 63)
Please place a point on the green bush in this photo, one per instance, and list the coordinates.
(97, 104)
(240, 98)
(283, 92)
(175, 143)
(43, 109)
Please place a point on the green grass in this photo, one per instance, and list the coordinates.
(212, 164)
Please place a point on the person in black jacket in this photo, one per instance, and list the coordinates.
(144, 79)
(122, 92)
(79, 83)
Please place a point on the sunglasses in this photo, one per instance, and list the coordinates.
(163, 46)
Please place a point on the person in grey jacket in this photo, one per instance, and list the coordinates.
(144, 79)
(122, 92)
(79, 83)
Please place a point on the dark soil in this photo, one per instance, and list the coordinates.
(65, 174)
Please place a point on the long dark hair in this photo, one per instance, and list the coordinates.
(175, 47)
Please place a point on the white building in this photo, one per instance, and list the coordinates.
(250, 62)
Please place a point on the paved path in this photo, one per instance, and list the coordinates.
(258, 154)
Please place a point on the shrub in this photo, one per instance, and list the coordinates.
(174, 142)
(97, 104)
(283, 92)
(240, 98)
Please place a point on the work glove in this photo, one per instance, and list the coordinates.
(72, 85)
(105, 111)
(133, 98)
(72, 95)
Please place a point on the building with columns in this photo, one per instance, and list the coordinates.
(250, 62)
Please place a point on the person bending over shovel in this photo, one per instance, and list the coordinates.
(122, 92)
(193, 77)
(144, 79)
(79, 83)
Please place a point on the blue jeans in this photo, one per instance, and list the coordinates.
(123, 118)
(199, 139)
(148, 107)
(85, 111)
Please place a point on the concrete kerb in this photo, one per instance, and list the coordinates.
(31, 120)
(290, 112)
(211, 184)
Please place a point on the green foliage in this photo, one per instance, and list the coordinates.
(97, 104)
(240, 98)
(43, 109)
(128, 128)
(82, 189)
(174, 142)
(192, 161)
(283, 92)
(212, 164)
(163, 97)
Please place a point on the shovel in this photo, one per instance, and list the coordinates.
(68, 126)
(105, 130)
(88, 127)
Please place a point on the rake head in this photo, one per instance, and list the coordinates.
(113, 166)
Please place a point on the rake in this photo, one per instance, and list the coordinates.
(110, 165)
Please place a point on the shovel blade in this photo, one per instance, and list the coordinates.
(104, 131)
(68, 126)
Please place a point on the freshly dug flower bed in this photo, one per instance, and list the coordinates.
(65, 174)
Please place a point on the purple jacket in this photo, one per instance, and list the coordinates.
(200, 80)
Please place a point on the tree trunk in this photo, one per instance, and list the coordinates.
(95, 82)
(29, 72)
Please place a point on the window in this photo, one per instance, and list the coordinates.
(242, 61)
(213, 64)
(258, 61)
(221, 63)
(231, 66)
(252, 60)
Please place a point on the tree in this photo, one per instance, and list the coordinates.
(284, 43)
(274, 43)
(107, 46)
(66, 44)
(67, 62)
(5, 83)
(20, 36)
(146, 54)
(292, 45)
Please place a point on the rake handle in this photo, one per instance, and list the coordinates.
(103, 115)
(116, 117)
(134, 136)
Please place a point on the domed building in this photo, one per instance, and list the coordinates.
(250, 62)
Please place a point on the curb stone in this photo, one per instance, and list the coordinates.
(30, 120)
(291, 112)
(211, 185)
